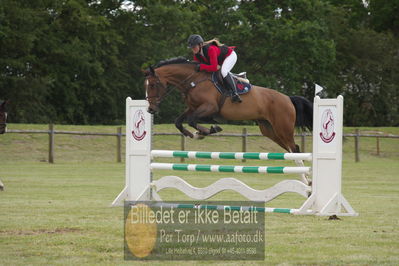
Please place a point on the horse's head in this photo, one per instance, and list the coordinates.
(175, 71)
(3, 117)
(155, 89)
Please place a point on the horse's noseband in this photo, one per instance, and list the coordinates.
(158, 97)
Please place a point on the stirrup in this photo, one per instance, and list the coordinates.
(235, 98)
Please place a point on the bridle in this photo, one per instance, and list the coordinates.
(158, 84)
(158, 97)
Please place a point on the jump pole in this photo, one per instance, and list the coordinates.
(326, 198)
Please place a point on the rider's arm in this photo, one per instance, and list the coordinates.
(213, 60)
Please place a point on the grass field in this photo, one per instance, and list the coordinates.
(59, 213)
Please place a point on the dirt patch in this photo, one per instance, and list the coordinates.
(40, 231)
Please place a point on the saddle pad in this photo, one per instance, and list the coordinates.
(242, 86)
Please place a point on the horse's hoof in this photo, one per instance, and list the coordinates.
(198, 135)
(187, 133)
(215, 129)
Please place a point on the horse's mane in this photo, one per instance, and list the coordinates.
(174, 60)
(3, 106)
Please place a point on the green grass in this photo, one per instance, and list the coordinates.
(59, 213)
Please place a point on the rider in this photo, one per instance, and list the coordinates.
(213, 55)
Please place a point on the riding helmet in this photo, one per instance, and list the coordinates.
(194, 39)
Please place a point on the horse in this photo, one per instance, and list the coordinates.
(3, 117)
(277, 114)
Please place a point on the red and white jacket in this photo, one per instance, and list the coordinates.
(212, 56)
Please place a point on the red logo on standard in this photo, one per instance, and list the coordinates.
(138, 125)
(327, 133)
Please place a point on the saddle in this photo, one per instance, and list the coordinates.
(242, 83)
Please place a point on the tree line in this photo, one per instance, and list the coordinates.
(75, 61)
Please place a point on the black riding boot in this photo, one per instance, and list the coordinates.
(235, 98)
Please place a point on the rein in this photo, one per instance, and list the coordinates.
(181, 84)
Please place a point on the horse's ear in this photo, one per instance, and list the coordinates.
(149, 71)
(152, 70)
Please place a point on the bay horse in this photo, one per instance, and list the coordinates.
(3, 117)
(277, 114)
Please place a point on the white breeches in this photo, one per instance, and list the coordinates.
(228, 64)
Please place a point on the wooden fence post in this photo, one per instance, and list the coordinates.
(357, 143)
(244, 141)
(51, 143)
(378, 146)
(118, 144)
(182, 145)
(303, 142)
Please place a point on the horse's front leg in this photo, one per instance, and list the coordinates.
(204, 110)
(179, 124)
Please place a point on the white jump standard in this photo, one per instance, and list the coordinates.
(325, 192)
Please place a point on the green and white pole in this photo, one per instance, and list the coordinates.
(232, 155)
(230, 168)
(225, 207)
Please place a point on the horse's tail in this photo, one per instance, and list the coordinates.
(304, 112)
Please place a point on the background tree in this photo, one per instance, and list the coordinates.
(75, 61)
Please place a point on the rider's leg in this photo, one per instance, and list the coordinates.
(227, 65)
(232, 85)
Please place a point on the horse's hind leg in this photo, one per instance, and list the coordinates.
(288, 140)
(305, 177)
(267, 130)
